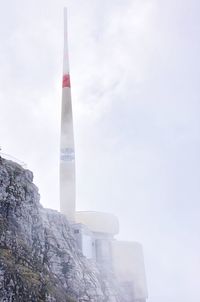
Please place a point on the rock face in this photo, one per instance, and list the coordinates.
(39, 258)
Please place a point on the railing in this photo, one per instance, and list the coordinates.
(9, 157)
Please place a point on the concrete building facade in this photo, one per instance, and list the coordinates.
(95, 233)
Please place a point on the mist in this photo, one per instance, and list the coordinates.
(135, 92)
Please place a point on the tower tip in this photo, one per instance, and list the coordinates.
(65, 11)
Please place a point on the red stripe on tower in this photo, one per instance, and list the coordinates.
(66, 81)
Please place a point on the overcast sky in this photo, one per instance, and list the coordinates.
(135, 69)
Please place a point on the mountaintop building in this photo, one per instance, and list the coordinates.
(95, 231)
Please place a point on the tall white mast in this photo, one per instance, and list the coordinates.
(67, 156)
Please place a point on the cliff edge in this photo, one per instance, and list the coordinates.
(39, 258)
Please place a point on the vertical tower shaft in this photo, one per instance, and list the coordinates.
(67, 156)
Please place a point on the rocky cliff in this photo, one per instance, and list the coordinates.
(39, 258)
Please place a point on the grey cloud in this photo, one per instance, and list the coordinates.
(135, 72)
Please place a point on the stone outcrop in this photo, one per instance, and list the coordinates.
(39, 258)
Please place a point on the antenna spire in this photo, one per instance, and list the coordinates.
(67, 156)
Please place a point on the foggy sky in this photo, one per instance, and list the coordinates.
(135, 70)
